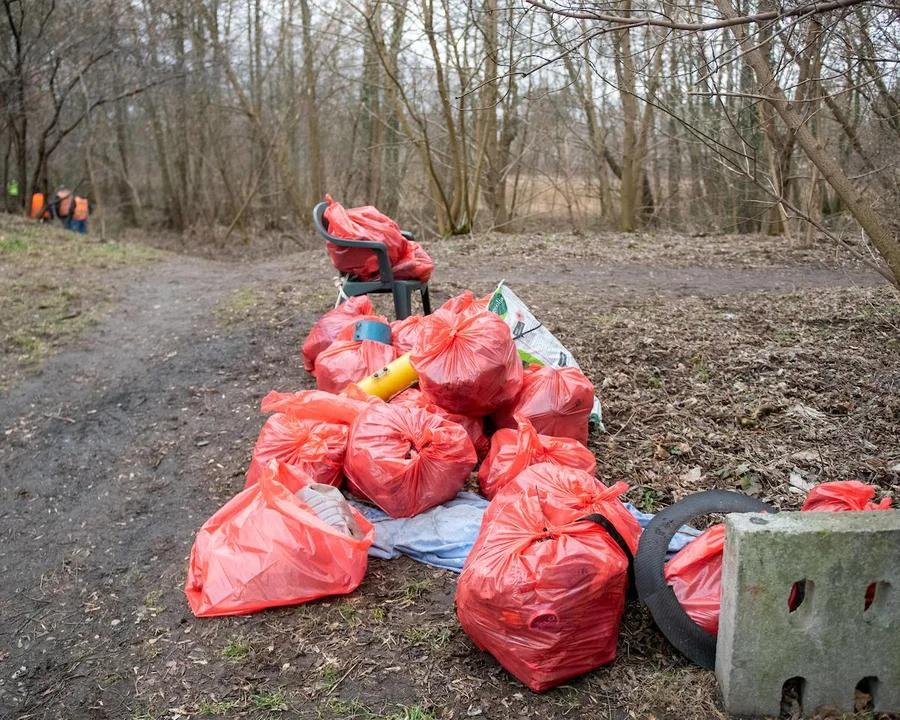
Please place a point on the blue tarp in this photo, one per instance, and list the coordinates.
(443, 536)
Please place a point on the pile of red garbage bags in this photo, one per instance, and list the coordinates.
(544, 587)
(290, 536)
(695, 572)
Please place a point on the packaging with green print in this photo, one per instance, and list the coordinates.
(535, 343)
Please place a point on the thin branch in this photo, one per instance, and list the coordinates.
(814, 8)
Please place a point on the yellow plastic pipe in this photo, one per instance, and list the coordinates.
(391, 379)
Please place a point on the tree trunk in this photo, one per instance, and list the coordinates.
(311, 109)
(495, 180)
(884, 239)
(625, 74)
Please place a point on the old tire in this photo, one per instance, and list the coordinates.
(690, 639)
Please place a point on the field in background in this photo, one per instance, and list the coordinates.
(53, 285)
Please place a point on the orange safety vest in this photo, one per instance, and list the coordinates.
(81, 209)
(37, 204)
(65, 205)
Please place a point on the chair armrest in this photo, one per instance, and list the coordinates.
(380, 249)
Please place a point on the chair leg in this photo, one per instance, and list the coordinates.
(426, 301)
(401, 302)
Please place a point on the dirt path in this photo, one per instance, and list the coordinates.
(129, 439)
(94, 460)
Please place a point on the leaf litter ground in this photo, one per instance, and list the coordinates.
(724, 362)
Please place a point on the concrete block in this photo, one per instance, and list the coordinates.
(830, 640)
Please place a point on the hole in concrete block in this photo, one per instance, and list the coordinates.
(864, 699)
(870, 595)
(792, 697)
(801, 596)
(878, 597)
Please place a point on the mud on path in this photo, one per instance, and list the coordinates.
(131, 437)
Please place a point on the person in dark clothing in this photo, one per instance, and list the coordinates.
(61, 205)
(79, 217)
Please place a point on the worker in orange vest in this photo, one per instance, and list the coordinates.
(61, 205)
(80, 211)
(39, 207)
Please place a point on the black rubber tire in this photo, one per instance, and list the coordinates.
(690, 639)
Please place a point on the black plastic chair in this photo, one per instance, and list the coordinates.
(402, 290)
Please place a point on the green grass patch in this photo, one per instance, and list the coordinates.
(152, 601)
(411, 712)
(218, 707)
(237, 649)
(349, 615)
(414, 589)
(271, 700)
(328, 677)
(53, 285)
(242, 305)
(335, 707)
(434, 637)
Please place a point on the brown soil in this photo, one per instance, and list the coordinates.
(705, 354)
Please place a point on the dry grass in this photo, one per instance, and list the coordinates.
(54, 284)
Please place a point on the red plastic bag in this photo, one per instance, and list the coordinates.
(844, 495)
(406, 460)
(466, 303)
(543, 591)
(310, 430)
(265, 547)
(349, 361)
(570, 489)
(468, 363)
(405, 332)
(313, 446)
(695, 574)
(557, 401)
(319, 405)
(414, 264)
(327, 327)
(514, 450)
(474, 427)
(362, 223)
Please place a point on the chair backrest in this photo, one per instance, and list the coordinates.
(379, 248)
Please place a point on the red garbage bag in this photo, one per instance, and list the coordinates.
(406, 460)
(265, 547)
(414, 264)
(474, 427)
(695, 574)
(466, 303)
(570, 489)
(557, 401)
(467, 363)
(327, 327)
(844, 495)
(543, 590)
(362, 223)
(319, 405)
(349, 361)
(313, 446)
(514, 450)
(405, 332)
